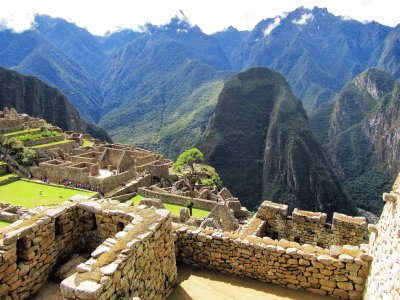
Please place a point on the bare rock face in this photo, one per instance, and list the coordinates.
(360, 130)
(31, 96)
(383, 128)
(184, 215)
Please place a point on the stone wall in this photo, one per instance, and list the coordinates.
(44, 140)
(158, 170)
(66, 147)
(339, 272)
(384, 246)
(84, 173)
(140, 161)
(311, 227)
(30, 249)
(177, 199)
(145, 266)
(29, 252)
(9, 125)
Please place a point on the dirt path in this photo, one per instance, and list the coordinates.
(49, 291)
(196, 284)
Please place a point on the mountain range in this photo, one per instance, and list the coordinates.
(137, 84)
(160, 89)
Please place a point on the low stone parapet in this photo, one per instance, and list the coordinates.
(340, 272)
(311, 227)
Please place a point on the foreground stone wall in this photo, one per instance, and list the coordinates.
(339, 272)
(29, 253)
(384, 246)
(145, 266)
(311, 227)
(30, 249)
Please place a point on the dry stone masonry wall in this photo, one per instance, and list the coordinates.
(30, 249)
(340, 272)
(145, 266)
(384, 279)
(310, 227)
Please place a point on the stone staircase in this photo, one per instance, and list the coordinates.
(116, 191)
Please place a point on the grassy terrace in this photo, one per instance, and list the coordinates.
(28, 195)
(173, 208)
(87, 143)
(22, 131)
(3, 224)
(51, 144)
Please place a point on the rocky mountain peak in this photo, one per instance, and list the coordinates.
(376, 83)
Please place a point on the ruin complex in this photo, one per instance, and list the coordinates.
(131, 252)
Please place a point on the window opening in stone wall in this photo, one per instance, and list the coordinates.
(274, 235)
(94, 222)
(120, 226)
(57, 226)
(22, 245)
(297, 239)
(319, 244)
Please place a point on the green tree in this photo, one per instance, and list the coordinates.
(28, 157)
(185, 165)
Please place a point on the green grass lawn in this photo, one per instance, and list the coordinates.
(51, 144)
(87, 143)
(4, 224)
(173, 208)
(22, 131)
(27, 194)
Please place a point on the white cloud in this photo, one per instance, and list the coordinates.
(304, 19)
(100, 16)
(272, 26)
(346, 18)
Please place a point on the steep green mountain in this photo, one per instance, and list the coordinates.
(261, 144)
(29, 95)
(316, 51)
(161, 88)
(30, 53)
(32, 96)
(359, 132)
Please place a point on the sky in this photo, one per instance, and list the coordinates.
(100, 16)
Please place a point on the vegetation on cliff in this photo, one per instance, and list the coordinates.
(358, 131)
(30, 95)
(260, 142)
